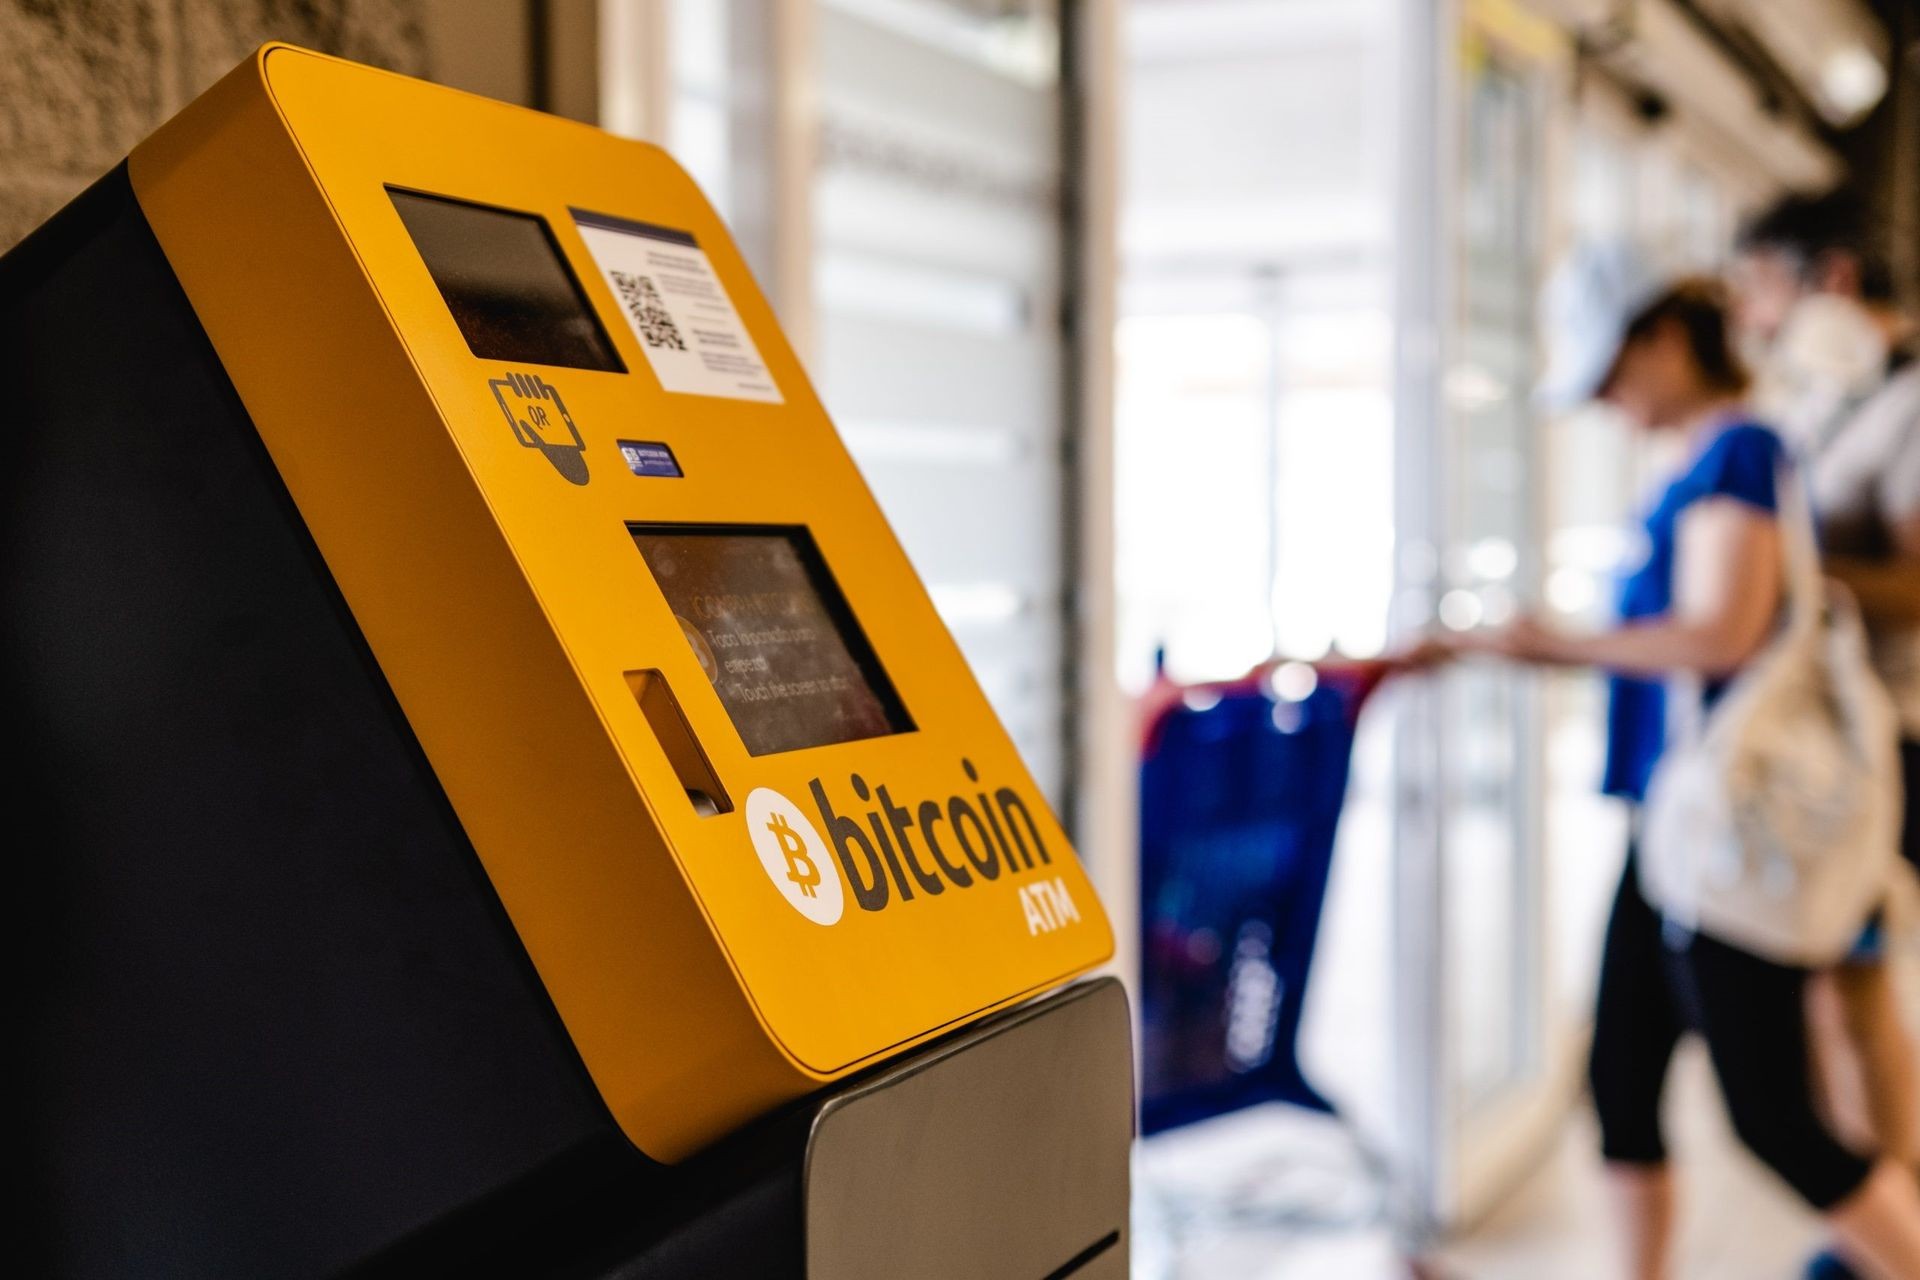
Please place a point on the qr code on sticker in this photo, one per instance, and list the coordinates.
(650, 315)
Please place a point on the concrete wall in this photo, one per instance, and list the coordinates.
(82, 81)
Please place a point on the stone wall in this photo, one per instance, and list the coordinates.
(82, 81)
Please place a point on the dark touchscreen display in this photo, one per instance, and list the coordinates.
(510, 290)
(773, 633)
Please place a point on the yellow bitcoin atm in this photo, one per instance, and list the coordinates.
(494, 796)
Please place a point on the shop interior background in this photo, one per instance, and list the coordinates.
(1175, 335)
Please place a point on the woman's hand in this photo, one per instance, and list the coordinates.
(1423, 652)
(1525, 639)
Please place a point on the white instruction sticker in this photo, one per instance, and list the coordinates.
(677, 308)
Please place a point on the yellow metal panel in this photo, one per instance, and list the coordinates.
(507, 604)
(1515, 26)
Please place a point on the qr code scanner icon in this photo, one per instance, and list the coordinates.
(540, 420)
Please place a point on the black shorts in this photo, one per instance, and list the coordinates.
(1655, 985)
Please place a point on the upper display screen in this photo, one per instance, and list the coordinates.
(773, 633)
(509, 289)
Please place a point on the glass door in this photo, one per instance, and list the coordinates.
(1491, 884)
(1491, 1070)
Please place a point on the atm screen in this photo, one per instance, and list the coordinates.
(509, 289)
(773, 633)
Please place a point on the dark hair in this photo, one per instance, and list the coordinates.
(1810, 228)
(1698, 304)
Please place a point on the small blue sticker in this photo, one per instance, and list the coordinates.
(649, 458)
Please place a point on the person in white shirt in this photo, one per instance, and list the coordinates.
(1841, 374)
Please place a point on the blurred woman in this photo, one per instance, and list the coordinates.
(1704, 599)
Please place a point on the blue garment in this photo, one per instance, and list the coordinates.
(1739, 462)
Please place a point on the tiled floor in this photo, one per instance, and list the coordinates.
(1737, 1222)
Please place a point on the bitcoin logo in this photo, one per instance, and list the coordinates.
(794, 856)
(801, 868)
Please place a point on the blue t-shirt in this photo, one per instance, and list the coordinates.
(1739, 462)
